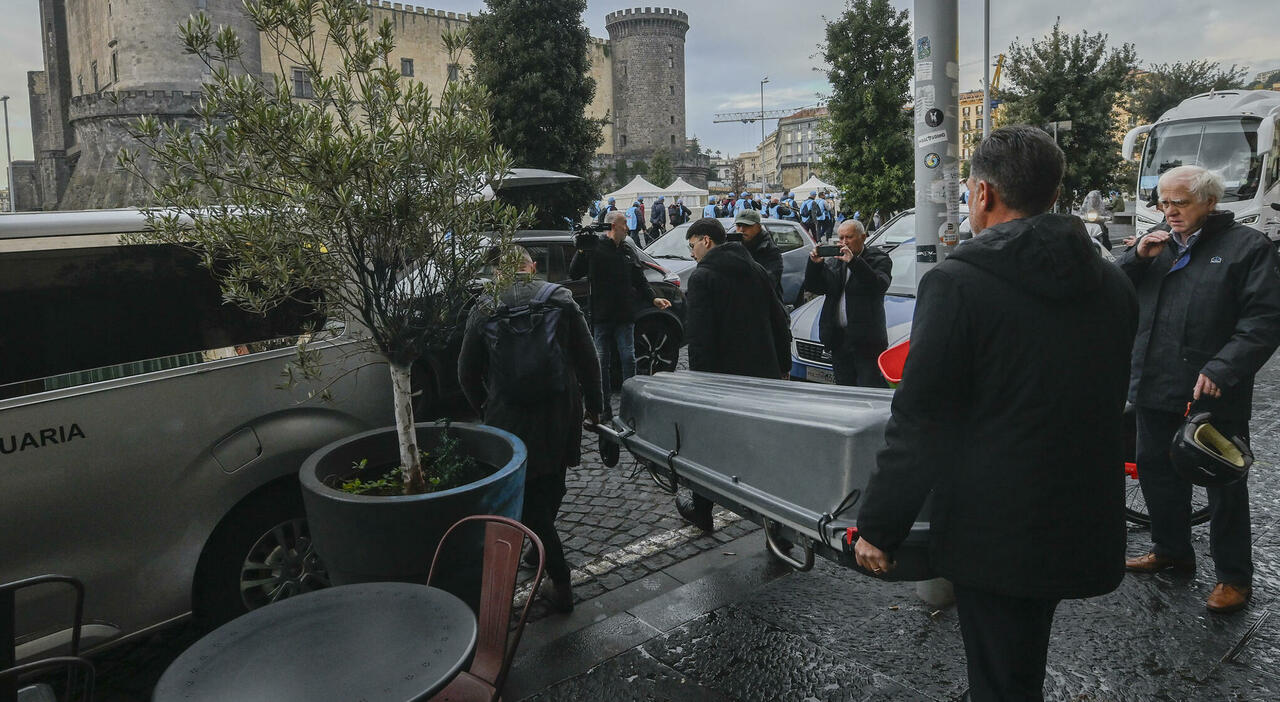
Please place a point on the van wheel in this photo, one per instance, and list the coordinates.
(260, 553)
(657, 346)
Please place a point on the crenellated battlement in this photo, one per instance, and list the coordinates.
(662, 13)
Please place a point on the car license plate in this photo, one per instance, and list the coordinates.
(819, 375)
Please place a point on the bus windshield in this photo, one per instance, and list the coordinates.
(1228, 147)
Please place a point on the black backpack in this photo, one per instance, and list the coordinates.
(526, 362)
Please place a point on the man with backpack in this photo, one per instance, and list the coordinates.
(809, 211)
(677, 213)
(609, 207)
(528, 366)
(658, 222)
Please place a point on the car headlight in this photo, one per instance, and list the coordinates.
(1251, 219)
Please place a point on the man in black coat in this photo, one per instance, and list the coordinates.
(1209, 295)
(852, 323)
(617, 282)
(551, 428)
(759, 245)
(1014, 430)
(736, 322)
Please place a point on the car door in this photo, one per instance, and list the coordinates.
(795, 245)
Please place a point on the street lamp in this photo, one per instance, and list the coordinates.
(762, 82)
(8, 152)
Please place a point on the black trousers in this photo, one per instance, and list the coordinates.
(1168, 498)
(1006, 642)
(857, 367)
(542, 497)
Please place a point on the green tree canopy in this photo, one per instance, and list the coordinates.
(1164, 85)
(532, 56)
(870, 153)
(1077, 78)
(660, 170)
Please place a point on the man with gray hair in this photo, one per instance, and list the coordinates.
(1014, 431)
(1209, 295)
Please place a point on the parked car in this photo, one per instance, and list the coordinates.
(145, 445)
(659, 333)
(902, 227)
(794, 242)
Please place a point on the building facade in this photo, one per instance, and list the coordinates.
(801, 146)
(108, 62)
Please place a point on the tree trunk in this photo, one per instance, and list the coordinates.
(410, 460)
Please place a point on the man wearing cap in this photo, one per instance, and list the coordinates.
(677, 213)
(826, 222)
(711, 209)
(760, 245)
(604, 211)
(809, 214)
(635, 221)
(658, 222)
(743, 203)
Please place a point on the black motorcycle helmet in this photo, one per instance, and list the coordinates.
(1203, 455)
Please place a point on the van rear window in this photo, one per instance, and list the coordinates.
(75, 316)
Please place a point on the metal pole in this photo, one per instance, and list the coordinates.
(937, 133)
(986, 68)
(766, 80)
(8, 154)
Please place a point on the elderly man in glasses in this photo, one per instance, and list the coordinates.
(1209, 318)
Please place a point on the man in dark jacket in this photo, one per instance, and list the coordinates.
(1014, 430)
(736, 323)
(760, 245)
(852, 323)
(617, 282)
(551, 428)
(1209, 295)
(611, 206)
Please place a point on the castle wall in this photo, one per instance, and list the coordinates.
(134, 44)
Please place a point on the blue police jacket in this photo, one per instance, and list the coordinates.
(633, 217)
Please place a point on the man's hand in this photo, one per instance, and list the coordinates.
(1205, 387)
(872, 558)
(1152, 244)
(661, 303)
(590, 420)
(846, 254)
(813, 255)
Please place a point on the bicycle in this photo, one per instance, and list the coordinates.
(1135, 506)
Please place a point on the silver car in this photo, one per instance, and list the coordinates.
(144, 446)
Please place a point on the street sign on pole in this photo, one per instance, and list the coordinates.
(937, 133)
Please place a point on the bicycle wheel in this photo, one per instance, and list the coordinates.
(1135, 506)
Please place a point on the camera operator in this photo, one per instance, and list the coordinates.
(616, 281)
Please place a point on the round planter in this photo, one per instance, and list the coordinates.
(367, 539)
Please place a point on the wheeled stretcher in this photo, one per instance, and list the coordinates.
(793, 457)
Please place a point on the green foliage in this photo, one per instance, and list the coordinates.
(445, 468)
(737, 176)
(620, 172)
(870, 155)
(660, 170)
(1076, 78)
(362, 200)
(639, 168)
(1167, 84)
(533, 58)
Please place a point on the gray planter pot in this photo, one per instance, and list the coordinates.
(367, 539)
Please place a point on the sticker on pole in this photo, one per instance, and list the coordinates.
(925, 95)
(933, 117)
(927, 254)
(923, 49)
(931, 160)
(924, 71)
(931, 138)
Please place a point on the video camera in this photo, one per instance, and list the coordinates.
(585, 236)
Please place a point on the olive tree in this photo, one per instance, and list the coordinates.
(363, 197)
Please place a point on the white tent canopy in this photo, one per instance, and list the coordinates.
(638, 187)
(802, 190)
(680, 188)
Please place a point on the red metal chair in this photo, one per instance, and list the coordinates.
(495, 641)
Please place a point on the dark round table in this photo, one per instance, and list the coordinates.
(374, 641)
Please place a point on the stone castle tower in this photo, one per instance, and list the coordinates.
(107, 62)
(648, 80)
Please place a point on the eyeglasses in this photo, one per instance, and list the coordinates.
(695, 240)
(1166, 204)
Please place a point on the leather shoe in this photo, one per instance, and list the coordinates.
(1153, 563)
(691, 514)
(1226, 598)
(559, 595)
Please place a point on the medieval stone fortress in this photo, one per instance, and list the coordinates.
(107, 62)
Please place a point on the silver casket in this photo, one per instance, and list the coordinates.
(794, 457)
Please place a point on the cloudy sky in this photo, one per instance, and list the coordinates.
(732, 44)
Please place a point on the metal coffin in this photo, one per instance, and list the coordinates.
(794, 457)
